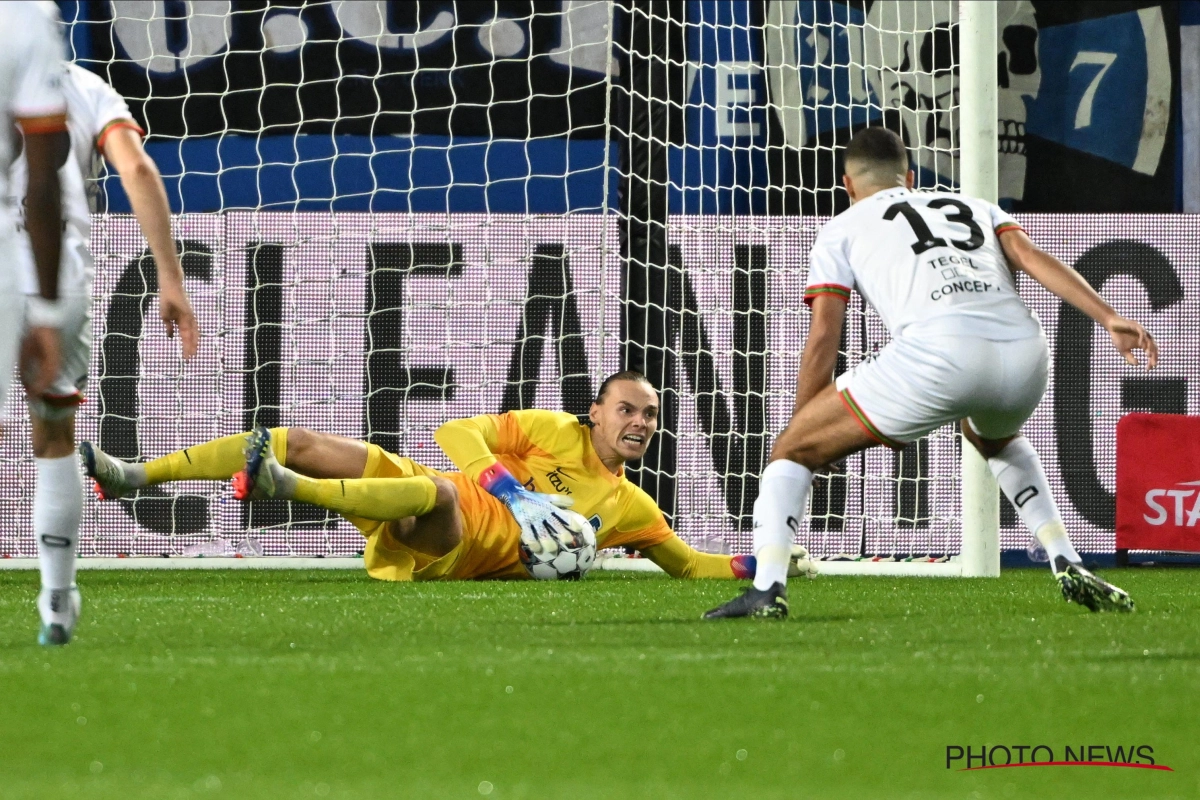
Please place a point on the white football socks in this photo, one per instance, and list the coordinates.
(782, 493)
(57, 511)
(1019, 472)
(1053, 536)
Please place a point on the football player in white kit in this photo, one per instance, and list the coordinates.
(938, 268)
(31, 102)
(99, 123)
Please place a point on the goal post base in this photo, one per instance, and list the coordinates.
(894, 569)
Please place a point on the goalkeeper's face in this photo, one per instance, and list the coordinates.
(624, 420)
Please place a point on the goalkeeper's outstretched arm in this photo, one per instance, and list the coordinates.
(472, 443)
(679, 560)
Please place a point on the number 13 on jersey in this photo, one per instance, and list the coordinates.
(925, 238)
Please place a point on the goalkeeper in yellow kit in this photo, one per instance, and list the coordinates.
(515, 470)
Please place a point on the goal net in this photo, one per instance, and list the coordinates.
(393, 214)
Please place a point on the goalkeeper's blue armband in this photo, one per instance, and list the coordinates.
(500, 483)
(744, 567)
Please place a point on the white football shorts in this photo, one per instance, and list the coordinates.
(75, 354)
(920, 383)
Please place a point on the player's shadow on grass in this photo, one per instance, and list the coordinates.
(714, 623)
(579, 623)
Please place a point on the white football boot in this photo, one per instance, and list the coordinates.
(59, 609)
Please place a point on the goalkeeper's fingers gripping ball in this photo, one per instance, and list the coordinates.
(800, 564)
(575, 554)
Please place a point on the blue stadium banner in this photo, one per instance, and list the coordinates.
(371, 105)
(1102, 104)
(471, 107)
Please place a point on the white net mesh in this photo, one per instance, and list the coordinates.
(737, 115)
(398, 213)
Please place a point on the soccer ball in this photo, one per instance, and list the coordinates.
(570, 563)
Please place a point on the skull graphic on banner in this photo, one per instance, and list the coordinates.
(910, 53)
(1019, 76)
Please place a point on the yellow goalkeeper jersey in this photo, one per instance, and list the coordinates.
(551, 452)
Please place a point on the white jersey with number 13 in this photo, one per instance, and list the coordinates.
(928, 262)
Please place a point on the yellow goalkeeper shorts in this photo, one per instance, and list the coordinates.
(490, 535)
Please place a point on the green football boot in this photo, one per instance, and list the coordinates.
(1081, 586)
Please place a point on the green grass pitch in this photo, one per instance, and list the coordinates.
(249, 684)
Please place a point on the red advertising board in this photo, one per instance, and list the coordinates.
(1158, 482)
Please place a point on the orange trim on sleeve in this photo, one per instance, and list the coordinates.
(475, 443)
(114, 125)
(469, 443)
(835, 289)
(52, 123)
(1008, 226)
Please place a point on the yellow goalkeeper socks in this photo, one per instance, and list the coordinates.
(381, 499)
(370, 498)
(212, 461)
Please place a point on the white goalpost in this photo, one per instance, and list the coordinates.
(396, 214)
(980, 178)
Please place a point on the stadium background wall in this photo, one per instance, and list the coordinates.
(532, 232)
(340, 124)
(385, 325)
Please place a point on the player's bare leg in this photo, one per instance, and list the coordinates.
(821, 432)
(438, 531)
(331, 457)
(57, 511)
(325, 455)
(1019, 472)
(326, 470)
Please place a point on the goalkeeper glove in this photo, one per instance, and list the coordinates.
(800, 565)
(543, 529)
